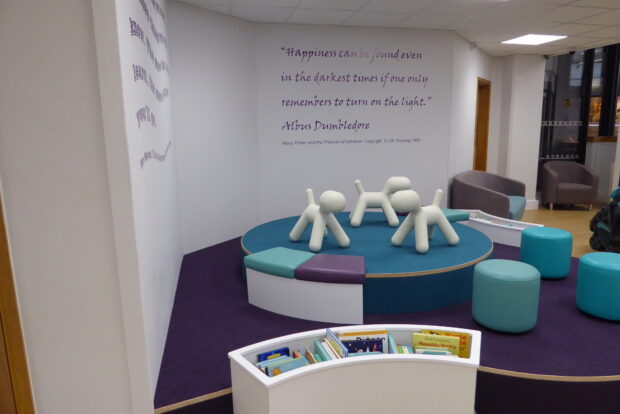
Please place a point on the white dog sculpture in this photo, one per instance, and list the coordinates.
(378, 199)
(423, 219)
(321, 216)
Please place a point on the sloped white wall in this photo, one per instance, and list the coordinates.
(213, 72)
(132, 50)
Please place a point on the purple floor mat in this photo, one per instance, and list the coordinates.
(211, 317)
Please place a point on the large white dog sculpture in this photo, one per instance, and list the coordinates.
(378, 199)
(423, 219)
(321, 216)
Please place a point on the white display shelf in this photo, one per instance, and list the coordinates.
(498, 229)
(391, 383)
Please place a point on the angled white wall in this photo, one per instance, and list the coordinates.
(58, 209)
(132, 51)
(213, 72)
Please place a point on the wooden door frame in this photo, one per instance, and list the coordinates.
(13, 338)
(481, 132)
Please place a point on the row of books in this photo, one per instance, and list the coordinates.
(352, 344)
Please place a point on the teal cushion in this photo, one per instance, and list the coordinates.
(505, 295)
(455, 215)
(278, 261)
(548, 250)
(598, 285)
(516, 207)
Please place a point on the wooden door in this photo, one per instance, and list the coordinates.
(15, 392)
(483, 105)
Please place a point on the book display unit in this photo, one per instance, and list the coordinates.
(376, 382)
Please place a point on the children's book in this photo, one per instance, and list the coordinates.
(365, 341)
(318, 347)
(310, 356)
(336, 344)
(332, 353)
(433, 351)
(392, 347)
(424, 340)
(272, 354)
(266, 362)
(465, 340)
(365, 353)
(285, 366)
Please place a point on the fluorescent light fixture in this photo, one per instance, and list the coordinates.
(533, 39)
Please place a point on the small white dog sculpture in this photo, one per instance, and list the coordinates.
(423, 219)
(378, 199)
(321, 216)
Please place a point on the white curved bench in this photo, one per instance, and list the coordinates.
(390, 383)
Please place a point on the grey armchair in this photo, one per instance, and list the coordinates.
(568, 182)
(491, 193)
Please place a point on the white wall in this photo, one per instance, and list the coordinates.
(292, 160)
(215, 114)
(522, 112)
(469, 63)
(55, 188)
(133, 58)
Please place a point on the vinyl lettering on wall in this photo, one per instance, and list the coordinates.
(348, 87)
(149, 70)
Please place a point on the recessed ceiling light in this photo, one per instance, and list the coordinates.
(533, 39)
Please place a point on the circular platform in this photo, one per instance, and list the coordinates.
(398, 279)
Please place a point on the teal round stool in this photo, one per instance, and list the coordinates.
(598, 285)
(505, 295)
(548, 250)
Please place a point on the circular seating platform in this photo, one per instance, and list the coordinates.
(398, 279)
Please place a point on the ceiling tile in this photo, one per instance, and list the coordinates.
(428, 21)
(515, 10)
(612, 4)
(569, 13)
(266, 3)
(319, 16)
(333, 4)
(608, 32)
(205, 3)
(573, 41)
(397, 6)
(459, 7)
(571, 29)
(611, 18)
(362, 18)
(477, 23)
(218, 8)
(496, 37)
(526, 26)
(262, 14)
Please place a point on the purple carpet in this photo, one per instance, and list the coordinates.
(211, 317)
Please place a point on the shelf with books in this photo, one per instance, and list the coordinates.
(373, 375)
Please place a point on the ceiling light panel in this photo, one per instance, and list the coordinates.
(533, 39)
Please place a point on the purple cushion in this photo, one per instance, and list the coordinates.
(332, 268)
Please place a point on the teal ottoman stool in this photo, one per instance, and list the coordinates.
(505, 295)
(598, 285)
(548, 250)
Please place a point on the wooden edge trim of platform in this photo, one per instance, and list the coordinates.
(411, 274)
(429, 272)
(547, 377)
(193, 401)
